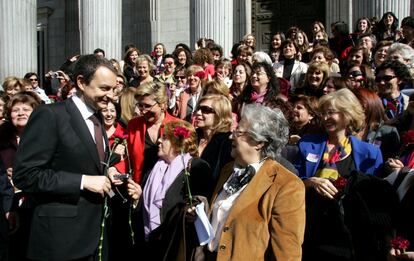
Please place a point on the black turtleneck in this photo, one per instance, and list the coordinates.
(288, 67)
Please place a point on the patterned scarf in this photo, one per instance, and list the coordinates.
(393, 107)
(328, 169)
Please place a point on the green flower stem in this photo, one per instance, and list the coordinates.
(187, 180)
(105, 207)
(131, 204)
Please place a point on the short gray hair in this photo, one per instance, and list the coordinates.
(262, 57)
(406, 51)
(267, 125)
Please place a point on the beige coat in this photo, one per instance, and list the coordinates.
(267, 220)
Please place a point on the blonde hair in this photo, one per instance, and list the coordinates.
(193, 69)
(156, 89)
(127, 103)
(216, 87)
(186, 145)
(348, 104)
(11, 82)
(223, 119)
(147, 58)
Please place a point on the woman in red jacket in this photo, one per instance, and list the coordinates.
(144, 131)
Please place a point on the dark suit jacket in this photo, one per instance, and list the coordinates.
(56, 148)
(6, 199)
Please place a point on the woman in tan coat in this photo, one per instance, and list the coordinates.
(258, 207)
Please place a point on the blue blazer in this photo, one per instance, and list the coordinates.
(367, 157)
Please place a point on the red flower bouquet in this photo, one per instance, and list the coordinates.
(400, 243)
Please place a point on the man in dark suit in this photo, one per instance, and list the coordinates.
(59, 163)
(6, 199)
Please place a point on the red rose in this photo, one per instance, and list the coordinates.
(400, 243)
(408, 137)
(182, 132)
(200, 74)
(340, 183)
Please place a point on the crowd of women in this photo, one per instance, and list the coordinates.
(264, 140)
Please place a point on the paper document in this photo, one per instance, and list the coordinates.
(203, 227)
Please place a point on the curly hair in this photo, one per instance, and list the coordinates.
(185, 145)
(203, 55)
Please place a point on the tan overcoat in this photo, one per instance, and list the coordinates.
(267, 220)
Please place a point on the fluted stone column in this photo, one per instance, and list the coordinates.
(18, 53)
(101, 26)
(213, 19)
(350, 10)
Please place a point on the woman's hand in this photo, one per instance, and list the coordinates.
(120, 150)
(322, 186)
(190, 214)
(396, 254)
(112, 172)
(134, 189)
(394, 164)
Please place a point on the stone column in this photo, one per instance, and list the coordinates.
(100, 26)
(18, 53)
(213, 19)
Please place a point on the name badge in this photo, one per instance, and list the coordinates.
(312, 157)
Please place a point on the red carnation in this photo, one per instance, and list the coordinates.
(182, 132)
(408, 137)
(400, 243)
(340, 183)
(153, 54)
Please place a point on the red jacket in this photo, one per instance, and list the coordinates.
(137, 128)
(120, 132)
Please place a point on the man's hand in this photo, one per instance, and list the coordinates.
(13, 220)
(97, 184)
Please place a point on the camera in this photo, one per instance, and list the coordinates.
(55, 74)
(122, 177)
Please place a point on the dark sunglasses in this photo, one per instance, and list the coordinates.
(386, 78)
(205, 109)
(355, 74)
(33, 80)
(179, 77)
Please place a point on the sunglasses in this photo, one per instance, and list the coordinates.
(385, 78)
(33, 79)
(205, 109)
(179, 77)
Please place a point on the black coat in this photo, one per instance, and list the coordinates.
(56, 148)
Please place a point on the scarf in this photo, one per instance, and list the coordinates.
(393, 107)
(329, 169)
(258, 97)
(159, 180)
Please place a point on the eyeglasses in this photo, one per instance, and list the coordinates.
(205, 109)
(179, 77)
(145, 106)
(385, 78)
(238, 133)
(328, 113)
(33, 79)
